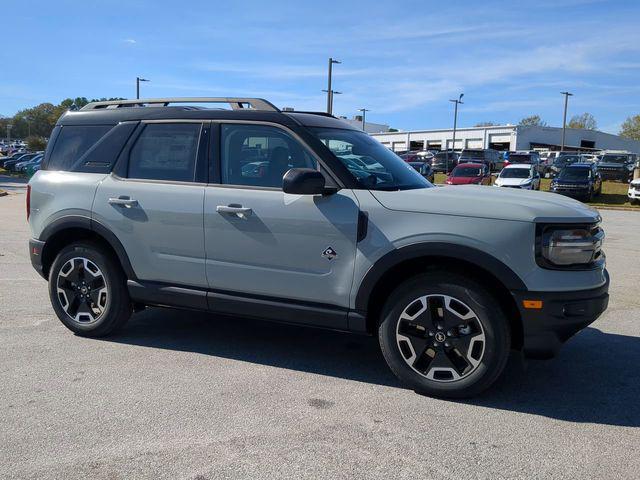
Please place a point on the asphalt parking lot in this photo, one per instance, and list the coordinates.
(183, 395)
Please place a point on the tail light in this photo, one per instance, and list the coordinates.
(28, 201)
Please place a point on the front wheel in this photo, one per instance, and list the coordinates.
(88, 290)
(444, 335)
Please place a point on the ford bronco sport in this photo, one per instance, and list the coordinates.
(297, 217)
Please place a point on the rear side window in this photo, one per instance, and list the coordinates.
(72, 143)
(166, 151)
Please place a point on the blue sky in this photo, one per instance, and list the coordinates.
(402, 59)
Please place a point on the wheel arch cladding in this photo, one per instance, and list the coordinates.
(397, 266)
(72, 229)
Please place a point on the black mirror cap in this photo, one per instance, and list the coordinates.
(303, 181)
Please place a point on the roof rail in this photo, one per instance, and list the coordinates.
(236, 103)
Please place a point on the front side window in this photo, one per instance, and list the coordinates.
(260, 155)
(165, 151)
(373, 165)
(73, 142)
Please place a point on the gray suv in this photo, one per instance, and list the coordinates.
(297, 217)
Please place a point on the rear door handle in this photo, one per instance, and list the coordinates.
(123, 202)
(238, 210)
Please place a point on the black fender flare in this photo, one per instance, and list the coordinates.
(86, 223)
(471, 255)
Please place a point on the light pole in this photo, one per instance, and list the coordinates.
(455, 124)
(138, 80)
(364, 113)
(564, 118)
(330, 94)
(329, 91)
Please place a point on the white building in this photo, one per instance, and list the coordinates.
(507, 137)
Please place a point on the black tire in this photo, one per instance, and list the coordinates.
(487, 313)
(112, 297)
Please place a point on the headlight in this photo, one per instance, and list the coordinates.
(569, 246)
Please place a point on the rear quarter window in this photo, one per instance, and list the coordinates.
(73, 141)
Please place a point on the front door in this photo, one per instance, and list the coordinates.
(260, 241)
(155, 206)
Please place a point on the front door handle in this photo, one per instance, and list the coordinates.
(235, 209)
(122, 201)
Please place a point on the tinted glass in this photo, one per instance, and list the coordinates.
(614, 159)
(72, 143)
(575, 174)
(373, 165)
(260, 155)
(520, 158)
(165, 151)
(467, 172)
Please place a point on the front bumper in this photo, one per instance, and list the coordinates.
(571, 192)
(35, 253)
(634, 194)
(562, 315)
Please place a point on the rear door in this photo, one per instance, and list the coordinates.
(263, 242)
(153, 202)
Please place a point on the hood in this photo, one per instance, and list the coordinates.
(462, 180)
(485, 202)
(636, 182)
(509, 182)
(562, 181)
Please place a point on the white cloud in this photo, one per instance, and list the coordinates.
(129, 41)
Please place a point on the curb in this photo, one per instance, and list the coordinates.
(623, 209)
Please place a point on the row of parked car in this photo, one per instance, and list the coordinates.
(611, 165)
(575, 175)
(23, 162)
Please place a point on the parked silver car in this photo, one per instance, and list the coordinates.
(155, 206)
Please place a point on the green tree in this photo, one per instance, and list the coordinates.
(631, 128)
(36, 143)
(585, 121)
(485, 124)
(532, 121)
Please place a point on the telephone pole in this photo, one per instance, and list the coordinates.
(329, 91)
(564, 118)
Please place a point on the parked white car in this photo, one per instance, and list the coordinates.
(519, 175)
(634, 191)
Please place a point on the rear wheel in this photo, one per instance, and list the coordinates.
(88, 290)
(444, 335)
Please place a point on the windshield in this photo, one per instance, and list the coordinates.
(374, 166)
(515, 173)
(574, 174)
(614, 159)
(565, 160)
(467, 172)
(519, 158)
(472, 154)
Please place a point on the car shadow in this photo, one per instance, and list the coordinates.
(595, 378)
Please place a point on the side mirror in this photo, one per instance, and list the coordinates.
(303, 181)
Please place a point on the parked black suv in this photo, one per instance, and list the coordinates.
(617, 166)
(578, 180)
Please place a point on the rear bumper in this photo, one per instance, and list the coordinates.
(35, 253)
(563, 315)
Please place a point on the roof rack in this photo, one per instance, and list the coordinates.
(236, 103)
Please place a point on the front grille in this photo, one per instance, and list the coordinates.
(564, 186)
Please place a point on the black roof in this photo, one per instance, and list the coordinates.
(123, 114)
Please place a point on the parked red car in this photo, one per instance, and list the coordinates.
(469, 174)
